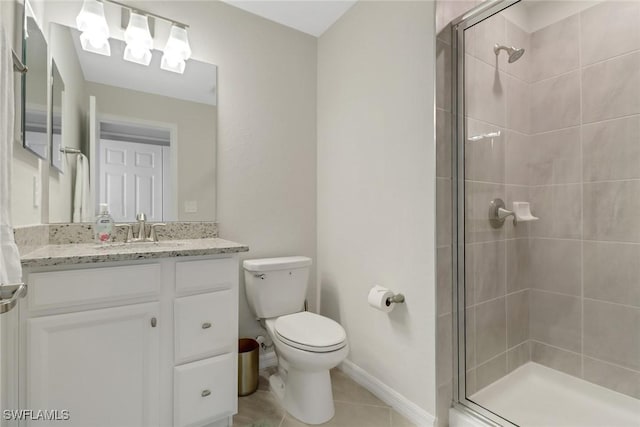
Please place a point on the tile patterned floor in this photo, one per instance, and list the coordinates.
(355, 407)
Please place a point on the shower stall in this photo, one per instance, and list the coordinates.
(545, 212)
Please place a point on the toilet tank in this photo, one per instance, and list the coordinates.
(276, 286)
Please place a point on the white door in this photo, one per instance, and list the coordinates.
(131, 179)
(101, 365)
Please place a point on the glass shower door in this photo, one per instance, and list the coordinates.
(547, 196)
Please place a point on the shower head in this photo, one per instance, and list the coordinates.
(513, 52)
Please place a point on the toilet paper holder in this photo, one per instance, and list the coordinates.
(395, 299)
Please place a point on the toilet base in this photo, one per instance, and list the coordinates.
(305, 395)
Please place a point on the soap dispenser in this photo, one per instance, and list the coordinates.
(103, 230)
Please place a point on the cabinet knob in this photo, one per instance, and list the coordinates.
(154, 322)
(206, 325)
(205, 393)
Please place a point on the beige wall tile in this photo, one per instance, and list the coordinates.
(613, 377)
(485, 92)
(611, 211)
(611, 333)
(609, 29)
(443, 75)
(444, 355)
(516, 193)
(448, 10)
(561, 360)
(486, 269)
(559, 210)
(518, 265)
(610, 89)
(555, 49)
(555, 265)
(484, 159)
(443, 212)
(555, 103)
(555, 319)
(444, 294)
(483, 36)
(612, 272)
(517, 318)
(444, 143)
(611, 150)
(517, 157)
(445, 397)
(470, 337)
(518, 111)
(554, 158)
(491, 329)
(491, 371)
(518, 356)
(471, 383)
(477, 226)
(517, 37)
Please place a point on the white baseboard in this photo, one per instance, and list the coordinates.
(401, 404)
(268, 359)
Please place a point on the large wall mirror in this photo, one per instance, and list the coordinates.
(138, 138)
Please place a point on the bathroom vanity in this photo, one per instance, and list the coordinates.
(131, 335)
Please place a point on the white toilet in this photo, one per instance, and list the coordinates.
(307, 344)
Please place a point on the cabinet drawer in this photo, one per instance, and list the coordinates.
(206, 274)
(71, 288)
(205, 325)
(205, 391)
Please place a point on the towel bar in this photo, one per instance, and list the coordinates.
(18, 66)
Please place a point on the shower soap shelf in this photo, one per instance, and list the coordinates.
(521, 213)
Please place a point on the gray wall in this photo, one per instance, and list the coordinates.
(376, 188)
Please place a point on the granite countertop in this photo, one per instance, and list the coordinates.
(84, 253)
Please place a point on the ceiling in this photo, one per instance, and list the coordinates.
(309, 16)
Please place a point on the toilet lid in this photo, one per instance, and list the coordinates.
(310, 332)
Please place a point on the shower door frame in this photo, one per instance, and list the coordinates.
(458, 27)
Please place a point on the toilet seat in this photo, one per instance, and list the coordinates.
(310, 332)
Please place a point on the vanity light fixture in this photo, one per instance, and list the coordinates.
(93, 25)
(138, 39)
(177, 50)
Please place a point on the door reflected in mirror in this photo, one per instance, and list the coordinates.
(35, 86)
(57, 92)
(147, 136)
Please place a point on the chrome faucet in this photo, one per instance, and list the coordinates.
(142, 227)
(142, 230)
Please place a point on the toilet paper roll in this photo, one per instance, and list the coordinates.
(378, 297)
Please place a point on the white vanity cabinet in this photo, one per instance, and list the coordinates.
(137, 343)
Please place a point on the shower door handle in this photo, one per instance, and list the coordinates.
(19, 290)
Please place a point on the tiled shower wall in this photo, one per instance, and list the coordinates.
(582, 165)
(564, 291)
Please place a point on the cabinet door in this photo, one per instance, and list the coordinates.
(100, 365)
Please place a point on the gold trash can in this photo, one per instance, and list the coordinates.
(248, 357)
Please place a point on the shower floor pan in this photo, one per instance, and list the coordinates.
(534, 395)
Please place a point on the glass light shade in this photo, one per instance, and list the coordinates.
(95, 43)
(137, 54)
(91, 19)
(139, 40)
(170, 64)
(177, 50)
